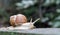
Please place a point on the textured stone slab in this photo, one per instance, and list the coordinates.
(36, 31)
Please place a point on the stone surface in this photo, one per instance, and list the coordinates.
(36, 31)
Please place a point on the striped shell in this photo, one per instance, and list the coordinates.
(18, 19)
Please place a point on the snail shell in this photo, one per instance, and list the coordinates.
(18, 19)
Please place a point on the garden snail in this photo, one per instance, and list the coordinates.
(18, 19)
(24, 25)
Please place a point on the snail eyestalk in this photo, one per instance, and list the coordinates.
(31, 20)
(36, 20)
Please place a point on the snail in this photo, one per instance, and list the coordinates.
(18, 19)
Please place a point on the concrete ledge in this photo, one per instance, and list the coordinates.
(36, 31)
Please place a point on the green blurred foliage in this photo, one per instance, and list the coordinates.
(14, 33)
(32, 11)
